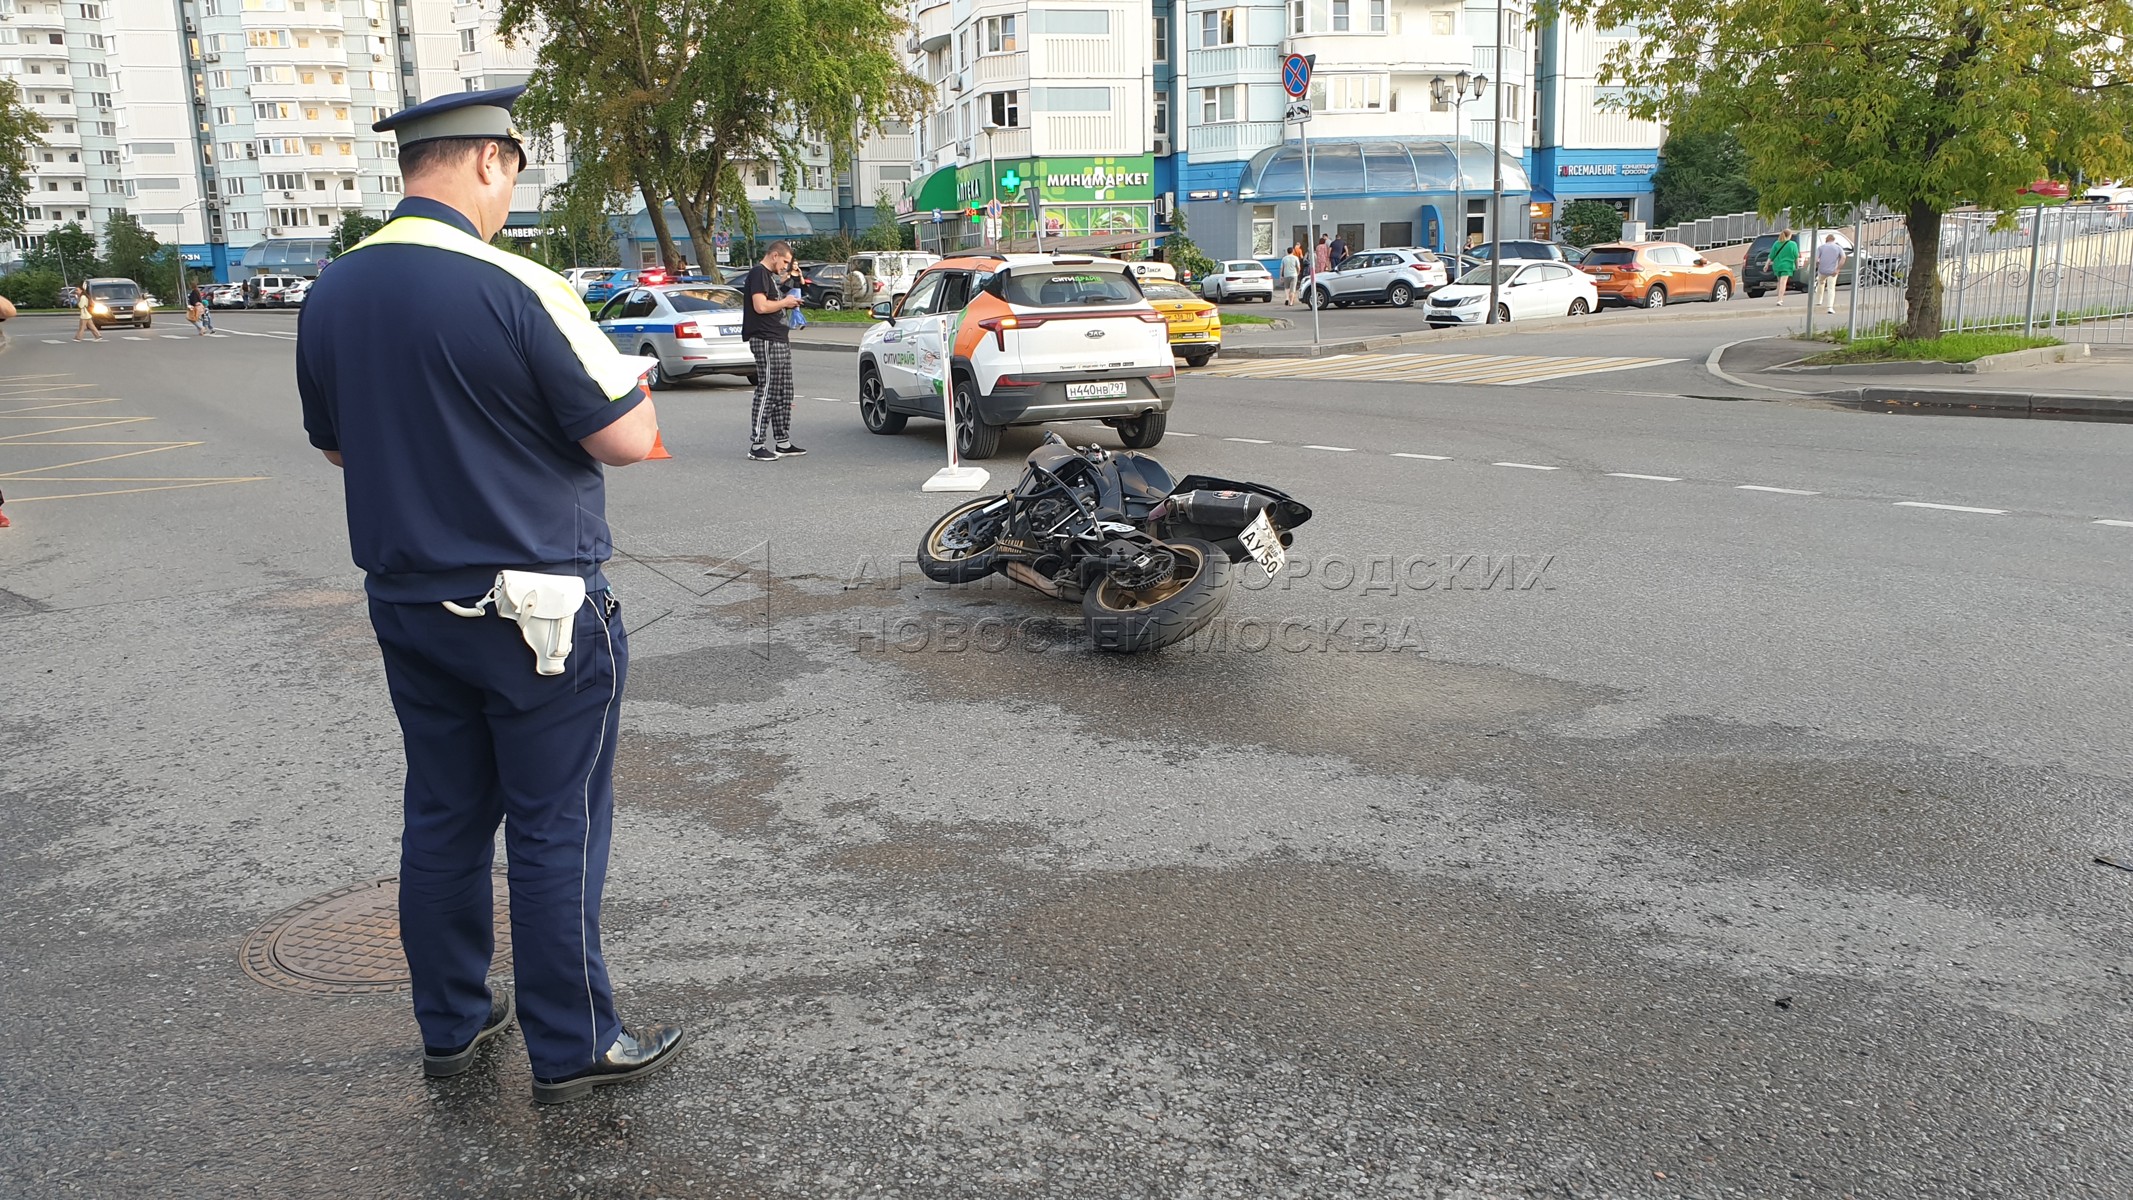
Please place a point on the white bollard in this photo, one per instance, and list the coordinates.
(955, 477)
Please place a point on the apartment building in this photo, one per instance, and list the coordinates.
(62, 57)
(1392, 163)
(1586, 147)
(1048, 109)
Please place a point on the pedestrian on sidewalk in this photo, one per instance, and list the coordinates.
(1829, 260)
(196, 311)
(763, 326)
(1340, 253)
(471, 417)
(1322, 257)
(1291, 273)
(1784, 260)
(82, 305)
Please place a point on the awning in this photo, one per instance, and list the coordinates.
(1085, 243)
(1378, 167)
(937, 190)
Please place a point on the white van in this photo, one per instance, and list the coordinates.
(876, 275)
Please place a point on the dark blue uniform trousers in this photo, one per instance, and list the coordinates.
(489, 740)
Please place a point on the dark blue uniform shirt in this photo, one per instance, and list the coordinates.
(456, 400)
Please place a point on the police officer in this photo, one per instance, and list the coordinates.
(471, 401)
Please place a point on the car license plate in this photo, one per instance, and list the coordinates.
(1601, 276)
(1264, 545)
(1192, 337)
(1096, 391)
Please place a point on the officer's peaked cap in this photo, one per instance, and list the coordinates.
(459, 115)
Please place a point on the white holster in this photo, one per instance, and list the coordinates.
(545, 607)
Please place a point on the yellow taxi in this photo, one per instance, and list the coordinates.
(1195, 325)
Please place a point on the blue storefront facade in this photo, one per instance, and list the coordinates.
(1619, 178)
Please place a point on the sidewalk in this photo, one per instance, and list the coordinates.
(2097, 387)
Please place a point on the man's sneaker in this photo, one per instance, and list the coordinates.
(635, 1054)
(759, 454)
(788, 450)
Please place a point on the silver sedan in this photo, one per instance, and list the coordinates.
(691, 328)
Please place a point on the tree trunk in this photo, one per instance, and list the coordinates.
(1921, 293)
(655, 208)
(701, 238)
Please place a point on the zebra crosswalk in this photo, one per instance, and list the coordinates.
(1431, 368)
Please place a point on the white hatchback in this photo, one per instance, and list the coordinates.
(1524, 290)
(1239, 279)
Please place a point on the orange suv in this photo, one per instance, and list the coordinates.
(1650, 274)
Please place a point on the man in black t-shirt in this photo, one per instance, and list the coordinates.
(763, 325)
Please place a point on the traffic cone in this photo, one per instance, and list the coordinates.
(659, 448)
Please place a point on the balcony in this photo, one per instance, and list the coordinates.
(1234, 139)
(1007, 143)
(1002, 69)
(936, 24)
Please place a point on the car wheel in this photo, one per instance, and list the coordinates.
(1197, 360)
(1144, 431)
(1721, 291)
(973, 437)
(874, 406)
(1756, 293)
(1321, 298)
(1400, 295)
(1579, 308)
(1503, 314)
(833, 302)
(148, 322)
(1656, 298)
(659, 380)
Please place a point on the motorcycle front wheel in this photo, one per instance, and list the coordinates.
(959, 547)
(1134, 619)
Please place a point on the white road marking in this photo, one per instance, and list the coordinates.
(177, 337)
(1435, 368)
(1990, 512)
(2120, 524)
(55, 341)
(1527, 466)
(1756, 487)
(1653, 478)
(1249, 441)
(1430, 457)
(138, 337)
(1174, 433)
(1335, 449)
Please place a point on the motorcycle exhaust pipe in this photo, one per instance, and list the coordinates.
(1217, 510)
(1023, 574)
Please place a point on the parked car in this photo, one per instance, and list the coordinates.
(582, 277)
(1526, 290)
(1756, 277)
(1395, 277)
(691, 328)
(293, 295)
(1239, 279)
(1650, 274)
(2045, 187)
(225, 295)
(1037, 337)
(602, 288)
(265, 291)
(878, 275)
(1195, 325)
(823, 286)
(114, 301)
(1531, 250)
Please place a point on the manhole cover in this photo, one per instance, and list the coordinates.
(347, 942)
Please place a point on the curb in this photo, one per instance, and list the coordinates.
(2013, 360)
(2047, 406)
(1462, 332)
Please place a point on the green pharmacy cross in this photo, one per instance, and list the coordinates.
(1010, 182)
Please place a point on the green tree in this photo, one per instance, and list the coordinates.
(32, 287)
(353, 228)
(886, 233)
(1181, 252)
(1922, 105)
(1590, 222)
(19, 130)
(68, 251)
(130, 251)
(1701, 174)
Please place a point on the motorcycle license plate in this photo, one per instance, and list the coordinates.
(1264, 545)
(1096, 391)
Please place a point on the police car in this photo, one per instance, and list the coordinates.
(691, 328)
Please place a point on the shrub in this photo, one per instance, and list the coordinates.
(32, 288)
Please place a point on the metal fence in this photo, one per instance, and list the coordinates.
(1709, 233)
(2064, 272)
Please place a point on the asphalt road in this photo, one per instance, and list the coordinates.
(1661, 833)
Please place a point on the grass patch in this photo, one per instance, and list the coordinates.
(1237, 318)
(838, 316)
(1954, 348)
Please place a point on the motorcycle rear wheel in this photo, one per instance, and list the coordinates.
(1132, 620)
(948, 554)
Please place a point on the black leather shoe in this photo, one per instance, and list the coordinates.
(441, 1064)
(635, 1054)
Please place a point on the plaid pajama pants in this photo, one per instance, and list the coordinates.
(770, 418)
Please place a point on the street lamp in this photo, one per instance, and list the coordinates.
(992, 183)
(1455, 91)
(177, 252)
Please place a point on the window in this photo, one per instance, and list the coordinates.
(466, 41)
(1340, 16)
(1218, 27)
(225, 114)
(284, 182)
(389, 183)
(273, 110)
(318, 185)
(89, 12)
(1004, 109)
(1074, 22)
(1296, 16)
(1162, 39)
(1218, 104)
(273, 75)
(240, 220)
(1162, 113)
(278, 39)
(1348, 93)
(233, 185)
(280, 146)
(999, 35)
(348, 183)
(310, 113)
(1442, 22)
(1377, 16)
(762, 175)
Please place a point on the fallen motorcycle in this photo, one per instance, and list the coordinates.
(1147, 556)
